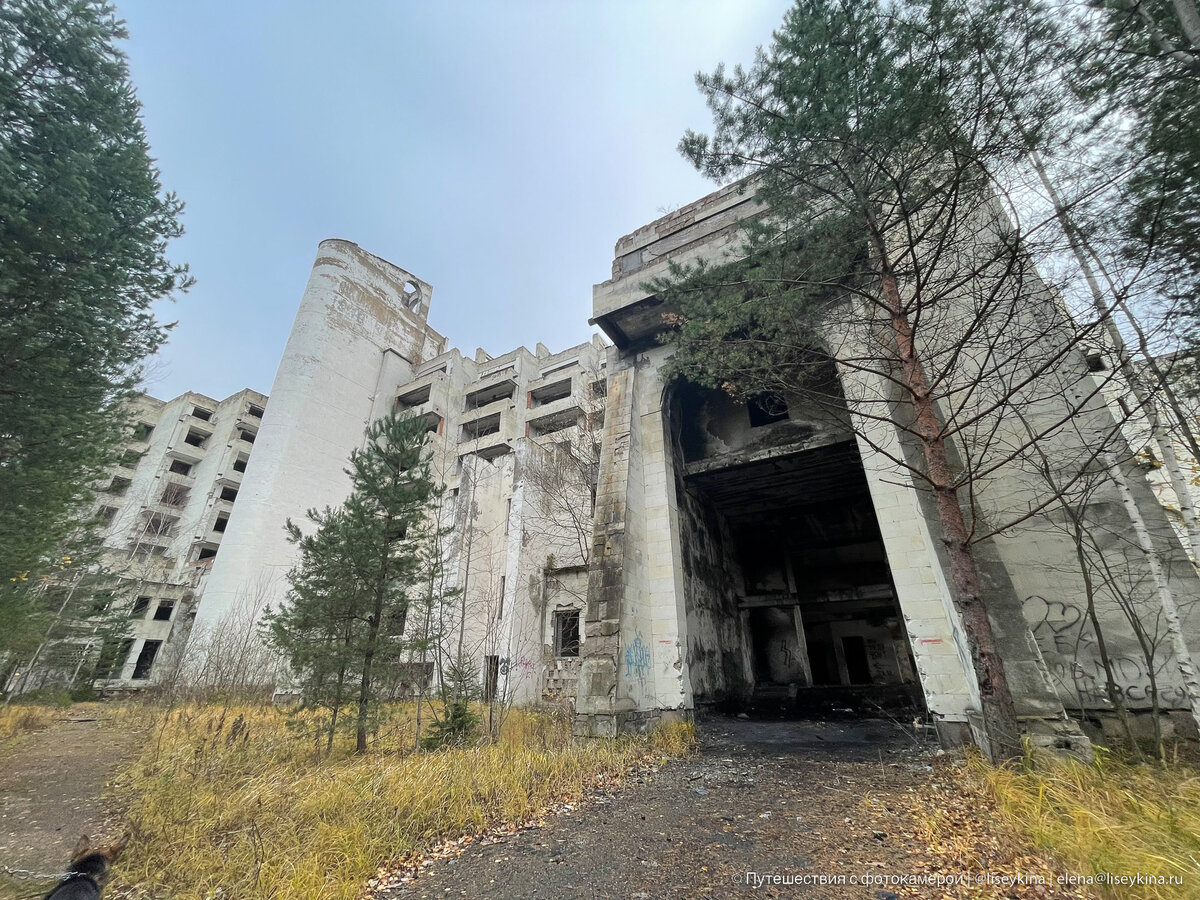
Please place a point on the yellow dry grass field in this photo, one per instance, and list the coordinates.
(233, 802)
(1109, 818)
(20, 719)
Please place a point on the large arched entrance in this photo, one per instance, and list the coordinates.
(790, 603)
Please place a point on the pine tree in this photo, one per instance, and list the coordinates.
(884, 274)
(1138, 63)
(83, 228)
(359, 572)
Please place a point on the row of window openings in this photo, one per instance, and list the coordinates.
(142, 431)
(542, 396)
(197, 438)
(490, 425)
(162, 612)
(113, 657)
(179, 467)
(175, 494)
(157, 524)
(205, 415)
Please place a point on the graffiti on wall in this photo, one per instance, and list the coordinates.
(637, 658)
(1072, 655)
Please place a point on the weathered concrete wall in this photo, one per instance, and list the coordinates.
(358, 317)
(719, 662)
(634, 662)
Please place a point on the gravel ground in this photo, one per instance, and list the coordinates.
(50, 788)
(856, 799)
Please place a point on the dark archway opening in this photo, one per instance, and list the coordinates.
(790, 602)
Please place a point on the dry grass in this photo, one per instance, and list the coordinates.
(18, 720)
(1108, 818)
(244, 810)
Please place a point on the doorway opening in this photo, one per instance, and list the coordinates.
(796, 612)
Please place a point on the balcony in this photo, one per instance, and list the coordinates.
(421, 389)
(190, 440)
(558, 393)
(556, 420)
(490, 392)
(490, 434)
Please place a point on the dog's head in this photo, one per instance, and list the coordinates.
(88, 872)
(94, 861)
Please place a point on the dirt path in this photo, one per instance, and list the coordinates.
(787, 799)
(50, 788)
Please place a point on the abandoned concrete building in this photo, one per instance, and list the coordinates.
(163, 515)
(743, 551)
(514, 441)
(643, 549)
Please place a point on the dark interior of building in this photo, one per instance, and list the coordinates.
(791, 606)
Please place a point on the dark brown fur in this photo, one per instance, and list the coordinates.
(88, 872)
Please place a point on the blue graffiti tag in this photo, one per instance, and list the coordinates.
(637, 658)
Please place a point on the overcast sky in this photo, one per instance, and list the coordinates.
(495, 149)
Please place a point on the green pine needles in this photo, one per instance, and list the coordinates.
(361, 573)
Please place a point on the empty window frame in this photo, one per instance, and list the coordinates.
(502, 390)
(113, 654)
(174, 495)
(481, 427)
(107, 514)
(493, 452)
(491, 677)
(553, 424)
(239, 464)
(229, 493)
(206, 553)
(162, 612)
(160, 525)
(145, 660)
(255, 412)
(119, 485)
(195, 437)
(142, 431)
(550, 392)
(140, 605)
(599, 388)
(394, 621)
(414, 398)
(179, 467)
(566, 633)
(222, 522)
(766, 409)
(247, 435)
(500, 605)
(201, 413)
(130, 458)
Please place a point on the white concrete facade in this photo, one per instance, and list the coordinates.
(163, 512)
(604, 520)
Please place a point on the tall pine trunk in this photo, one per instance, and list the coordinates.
(364, 692)
(995, 698)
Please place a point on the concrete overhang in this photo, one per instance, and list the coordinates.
(624, 307)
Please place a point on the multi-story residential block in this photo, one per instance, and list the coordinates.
(164, 513)
(513, 439)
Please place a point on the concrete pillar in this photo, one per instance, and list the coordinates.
(360, 317)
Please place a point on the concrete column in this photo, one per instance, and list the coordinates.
(360, 317)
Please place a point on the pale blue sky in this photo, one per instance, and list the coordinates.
(494, 149)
